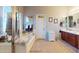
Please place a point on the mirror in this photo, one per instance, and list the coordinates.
(76, 19)
(69, 21)
(28, 24)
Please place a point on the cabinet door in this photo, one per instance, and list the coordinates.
(71, 39)
(77, 41)
(64, 35)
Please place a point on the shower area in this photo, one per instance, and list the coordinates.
(5, 28)
(10, 29)
(16, 30)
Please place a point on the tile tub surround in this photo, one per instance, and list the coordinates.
(30, 42)
(23, 39)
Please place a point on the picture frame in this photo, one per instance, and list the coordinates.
(55, 20)
(50, 19)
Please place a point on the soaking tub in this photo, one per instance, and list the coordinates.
(28, 39)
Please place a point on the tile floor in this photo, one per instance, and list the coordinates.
(6, 48)
(59, 46)
(40, 46)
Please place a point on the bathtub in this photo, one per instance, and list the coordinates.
(28, 39)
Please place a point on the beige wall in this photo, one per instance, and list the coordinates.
(73, 10)
(54, 11)
(50, 11)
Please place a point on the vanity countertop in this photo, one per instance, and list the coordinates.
(70, 31)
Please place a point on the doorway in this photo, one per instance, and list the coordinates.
(41, 27)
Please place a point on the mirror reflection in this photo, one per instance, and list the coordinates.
(28, 24)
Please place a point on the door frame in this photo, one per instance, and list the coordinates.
(44, 24)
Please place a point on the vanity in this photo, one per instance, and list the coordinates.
(71, 37)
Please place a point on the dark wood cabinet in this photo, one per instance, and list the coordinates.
(72, 39)
(77, 41)
(64, 35)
